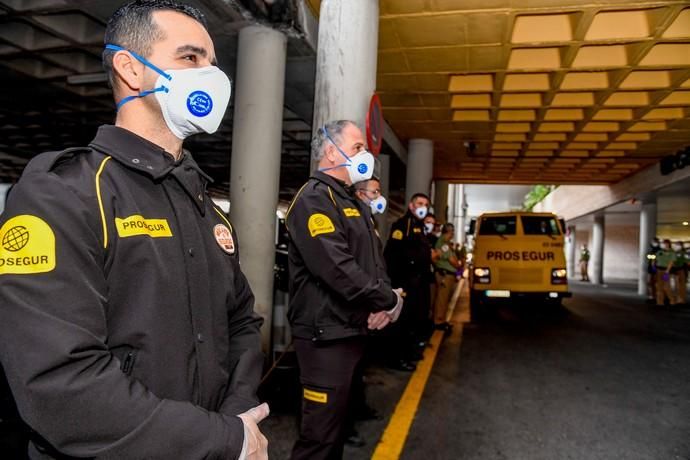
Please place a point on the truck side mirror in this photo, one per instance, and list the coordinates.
(563, 228)
(473, 225)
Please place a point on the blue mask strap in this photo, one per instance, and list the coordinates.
(144, 61)
(347, 163)
(142, 94)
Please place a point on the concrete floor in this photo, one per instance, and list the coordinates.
(606, 378)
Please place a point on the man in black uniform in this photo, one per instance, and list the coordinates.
(127, 325)
(408, 257)
(338, 289)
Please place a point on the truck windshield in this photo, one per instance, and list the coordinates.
(504, 225)
(540, 225)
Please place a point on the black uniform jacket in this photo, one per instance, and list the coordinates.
(337, 277)
(408, 252)
(127, 326)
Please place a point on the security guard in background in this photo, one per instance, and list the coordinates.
(408, 257)
(665, 259)
(680, 271)
(127, 325)
(447, 267)
(584, 262)
(338, 290)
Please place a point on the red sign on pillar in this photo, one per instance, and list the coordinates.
(375, 125)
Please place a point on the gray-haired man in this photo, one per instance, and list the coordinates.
(339, 289)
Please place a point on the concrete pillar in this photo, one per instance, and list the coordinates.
(596, 266)
(345, 61)
(441, 201)
(420, 167)
(256, 150)
(458, 211)
(647, 233)
(382, 220)
(571, 253)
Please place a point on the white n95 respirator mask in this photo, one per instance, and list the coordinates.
(191, 100)
(378, 205)
(360, 167)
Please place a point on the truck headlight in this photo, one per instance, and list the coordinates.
(482, 275)
(559, 276)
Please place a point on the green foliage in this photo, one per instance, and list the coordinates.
(535, 195)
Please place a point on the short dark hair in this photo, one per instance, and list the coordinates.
(132, 27)
(430, 214)
(419, 195)
(446, 227)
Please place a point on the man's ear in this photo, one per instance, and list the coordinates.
(129, 72)
(330, 153)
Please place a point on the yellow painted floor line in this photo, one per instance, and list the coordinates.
(392, 442)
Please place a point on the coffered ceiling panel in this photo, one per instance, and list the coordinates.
(561, 91)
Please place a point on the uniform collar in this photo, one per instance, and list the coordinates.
(338, 186)
(137, 153)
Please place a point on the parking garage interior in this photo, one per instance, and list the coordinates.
(482, 101)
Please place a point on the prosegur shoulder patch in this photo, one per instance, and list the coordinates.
(27, 246)
(319, 224)
(397, 235)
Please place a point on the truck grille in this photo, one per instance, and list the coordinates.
(520, 275)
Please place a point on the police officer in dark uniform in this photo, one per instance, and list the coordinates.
(128, 328)
(408, 257)
(339, 290)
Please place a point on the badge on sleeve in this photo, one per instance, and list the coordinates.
(319, 224)
(224, 238)
(27, 246)
(397, 235)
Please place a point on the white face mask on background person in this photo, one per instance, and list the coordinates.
(421, 212)
(360, 166)
(378, 205)
(191, 100)
(428, 227)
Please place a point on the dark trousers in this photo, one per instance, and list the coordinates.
(326, 372)
(415, 324)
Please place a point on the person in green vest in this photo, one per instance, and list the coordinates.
(446, 267)
(665, 260)
(584, 262)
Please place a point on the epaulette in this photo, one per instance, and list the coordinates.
(48, 161)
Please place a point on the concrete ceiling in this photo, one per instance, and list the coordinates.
(525, 91)
(55, 96)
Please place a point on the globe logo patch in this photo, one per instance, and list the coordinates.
(362, 168)
(15, 239)
(199, 103)
(27, 246)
